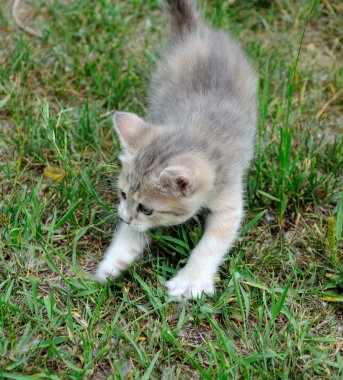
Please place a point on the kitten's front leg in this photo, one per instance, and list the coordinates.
(127, 244)
(221, 229)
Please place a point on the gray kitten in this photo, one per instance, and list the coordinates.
(191, 152)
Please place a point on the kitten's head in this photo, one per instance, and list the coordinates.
(163, 181)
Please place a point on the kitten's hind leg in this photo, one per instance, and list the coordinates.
(221, 230)
(127, 244)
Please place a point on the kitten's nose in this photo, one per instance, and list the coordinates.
(125, 221)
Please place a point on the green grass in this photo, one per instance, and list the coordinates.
(277, 313)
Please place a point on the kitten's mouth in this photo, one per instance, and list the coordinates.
(139, 227)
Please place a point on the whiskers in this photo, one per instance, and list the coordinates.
(147, 241)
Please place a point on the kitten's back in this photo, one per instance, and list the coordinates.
(201, 70)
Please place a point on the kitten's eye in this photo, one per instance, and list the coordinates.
(123, 194)
(145, 210)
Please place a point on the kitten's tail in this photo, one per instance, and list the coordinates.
(184, 17)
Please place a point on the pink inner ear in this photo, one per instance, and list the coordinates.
(130, 129)
(183, 185)
(176, 180)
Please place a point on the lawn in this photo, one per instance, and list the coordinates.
(277, 313)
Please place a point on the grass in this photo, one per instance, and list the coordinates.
(277, 313)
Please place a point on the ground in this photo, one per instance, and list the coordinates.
(277, 313)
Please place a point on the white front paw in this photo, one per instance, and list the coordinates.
(188, 285)
(109, 268)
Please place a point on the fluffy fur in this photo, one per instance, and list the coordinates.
(190, 153)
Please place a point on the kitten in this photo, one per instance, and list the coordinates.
(190, 153)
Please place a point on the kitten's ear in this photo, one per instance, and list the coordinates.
(178, 181)
(130, 129)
